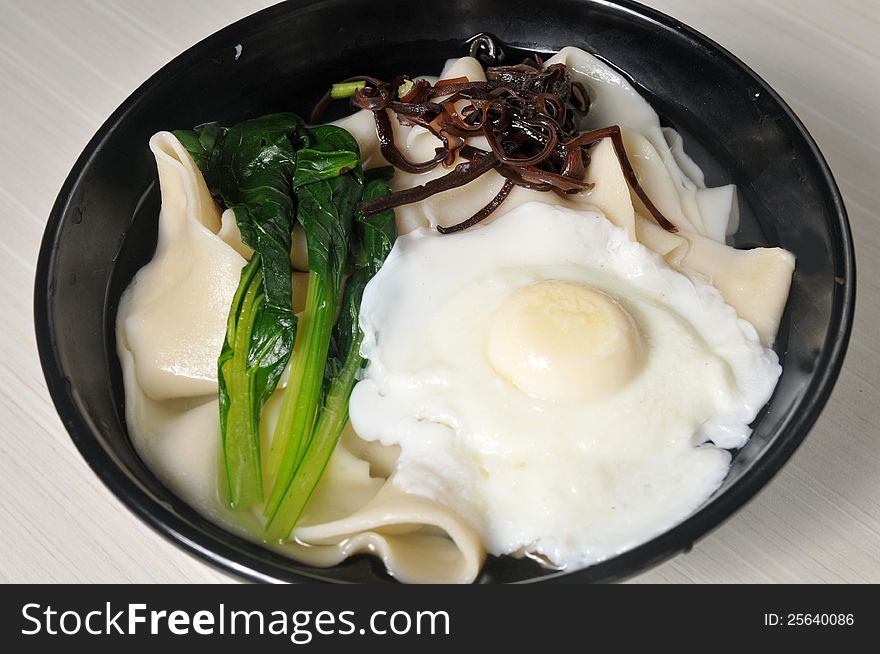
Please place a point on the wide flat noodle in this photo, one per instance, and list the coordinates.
(179, 301)
(613, 101)
(610, 194)
(755, 282)
(358, 509)
(230, 234)
(705, 211)
(417, 538)
(172, 409)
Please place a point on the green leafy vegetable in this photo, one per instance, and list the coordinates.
(372, 240)
(269, 170)
(249, 167)
(325, 209)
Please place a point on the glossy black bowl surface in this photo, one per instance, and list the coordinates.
(103, 225)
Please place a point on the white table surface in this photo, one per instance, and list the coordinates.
(65, 66)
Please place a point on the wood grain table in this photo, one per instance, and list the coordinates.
(65, 66)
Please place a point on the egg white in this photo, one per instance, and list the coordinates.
(573, 482)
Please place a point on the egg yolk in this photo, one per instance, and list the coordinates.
(565, 342)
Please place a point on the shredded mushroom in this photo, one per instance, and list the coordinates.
(528, 114)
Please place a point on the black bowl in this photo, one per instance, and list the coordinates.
(103, 225)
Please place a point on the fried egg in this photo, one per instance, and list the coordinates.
(554, 382)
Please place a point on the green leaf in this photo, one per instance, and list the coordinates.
(379, 229)
(334, 152)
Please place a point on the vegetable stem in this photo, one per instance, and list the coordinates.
(241, 444)
(284, 427)
(294, 427)
(345, 89)
(295, 496)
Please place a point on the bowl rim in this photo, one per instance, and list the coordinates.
(228, 559)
